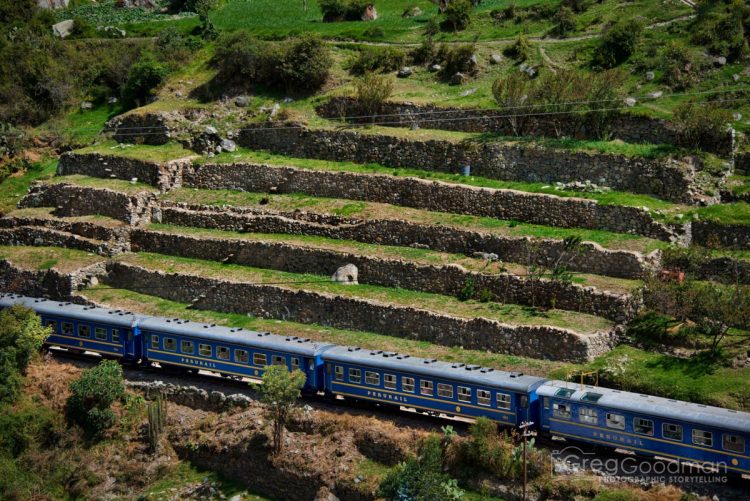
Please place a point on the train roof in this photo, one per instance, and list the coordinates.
(234, 335)
(649, 405)
(472, 374)
(93, 314)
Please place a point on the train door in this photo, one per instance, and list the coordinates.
(132, 344)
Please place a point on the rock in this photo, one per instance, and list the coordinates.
(413, 12)
(496, 59)
(654, 94)
(736, 77)
(347, 274)
(178, 94)
(473, 60)
(228, 145)
(487, 256)
(63, 28)
(112, 100)
(114, 30)
(241, 101)
(370, 13)
(630, 102)
(404, 72)
(52, 4)
(288, 100)
(650, 76)
(87, 105)
(274, 111)
(211, 130)
(469, 92)
(435, 68)
(737, 116)
(236, 497)
(458, 78)
(720, 61)
(532, 72)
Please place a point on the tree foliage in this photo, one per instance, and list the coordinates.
(21, 338)
(279, 392)
(92, 396)
(618, 43)
(372, 91)
(457, 15)
(723, 27)
(144, 78)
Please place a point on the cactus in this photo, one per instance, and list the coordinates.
(157, 420)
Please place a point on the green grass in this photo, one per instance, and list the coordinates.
(734, 213)
(185, 473)
(14, 187)
(81, 127)
(111, 184)
(45, 258)
(505, 313)
(162, 153)
(371, 210)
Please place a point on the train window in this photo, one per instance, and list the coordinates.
(205, 350)
(523, 401)
(561, 410)
(588, 415)
(503, 401)
(671, 431)
(170, 344)
(241, 356)
(84, 331)
(339, 373)
(155, 342)
(187, 347)
(222, 352)
(372, 378)
(616, 421)
(260, 359)
(445, 390)
(425, 387)
(67, 328)
(355, 375)
(643, 426)
(100, 333)
(407, 384)
(278, 360)
(464, 394)
(701, 437)
(483, 397)
(295, 363)
(734, 443)
(389, 381)
(115, 335)
(51, 323)
(546, 403)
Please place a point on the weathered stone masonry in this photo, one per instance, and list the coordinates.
(431, 195)
(47, 283)
(351, 313)
(447, 280)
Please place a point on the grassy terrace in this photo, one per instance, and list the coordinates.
(371, 210)
(511, 314)
(421, 256)
(45, 258)
(14, 187)
(625, 367)
(46, 213)
(162, 153)
(120, 185)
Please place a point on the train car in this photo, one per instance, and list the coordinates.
(111, 333)
(647, 425)
(230, 351)
(430, 386)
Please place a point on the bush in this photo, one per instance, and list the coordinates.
(431, 27)
(342, 10)
(511, 93)
(565, 21)
(457, 59)
(576, 6)
(425, 53)
(93, 394)
(680, 72)
(21, 338)
(144, 78)
(26, 425)
(374, 58)
(700, 126)
(618, 43)
(174, 48)
(372, 91)
(520, 50)
(723, 27)
(457, 15)
(298, 64)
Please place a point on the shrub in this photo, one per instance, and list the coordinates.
(457, 15)
(93, 394)
(372, 91)
(680, 72)
(576, 6)
(520, 50)
(173, 47)
(510, 94)
(374, 58)
(457, 59)
(304, 64)
(26, 425)
(699, 126)
(342, 10)
(144, 78)
(565, 21)
(723, 27)
(425, 53)
(431, 27)
(618, 43)
(21, 338)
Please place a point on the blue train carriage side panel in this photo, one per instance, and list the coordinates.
(647, 425)
(429, 385)
(111, 333)
(231, 351)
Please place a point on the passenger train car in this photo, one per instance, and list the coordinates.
(643, 424)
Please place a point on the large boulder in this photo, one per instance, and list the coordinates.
(347, 275)
(52, 4)
(370, 13)
(63, 28)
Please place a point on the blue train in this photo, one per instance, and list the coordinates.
(642, 424)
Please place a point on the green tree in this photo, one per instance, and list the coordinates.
(372, 91)
(279, 392)
(144, 78)
(92, 396)
(618, 43)
(21, 338)
(511, 95)
(565, 21)
(458, 15)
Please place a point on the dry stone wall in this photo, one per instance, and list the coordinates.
(447, 280)
(626, 127)
(432, 195)
(733, 236)
(351, 313)
(36, 236)
(665, 178)
(591, 259)
(46, 283)
(164, 176)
